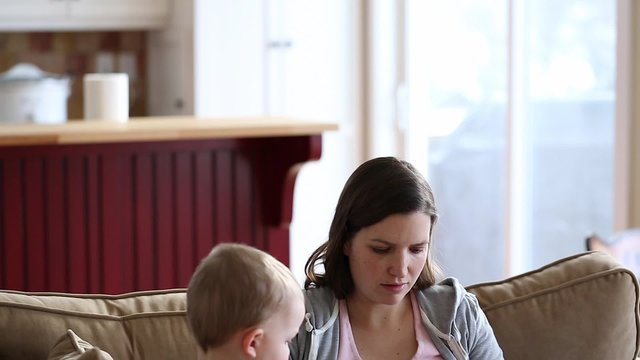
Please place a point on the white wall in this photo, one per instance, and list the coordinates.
(218, 58)
(322, 82)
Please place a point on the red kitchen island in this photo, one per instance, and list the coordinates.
(100, 207)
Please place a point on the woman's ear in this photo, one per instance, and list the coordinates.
(251, 341)
(346, 248)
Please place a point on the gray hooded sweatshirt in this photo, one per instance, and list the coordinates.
(458, 327)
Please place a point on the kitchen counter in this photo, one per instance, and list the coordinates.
(157, 128)
(100, 207)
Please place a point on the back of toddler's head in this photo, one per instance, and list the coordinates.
(233, 288)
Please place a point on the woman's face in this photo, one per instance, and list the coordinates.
(387, 257)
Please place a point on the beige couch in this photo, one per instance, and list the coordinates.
(581, 307)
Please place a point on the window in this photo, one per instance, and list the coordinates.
(510, 112)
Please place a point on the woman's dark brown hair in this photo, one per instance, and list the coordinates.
(378, 188)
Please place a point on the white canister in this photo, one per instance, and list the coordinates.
(106, 97)
(30, 95)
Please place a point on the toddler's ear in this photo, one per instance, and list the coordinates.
(251, 341)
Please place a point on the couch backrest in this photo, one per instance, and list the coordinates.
(581, 307)
(140, 325)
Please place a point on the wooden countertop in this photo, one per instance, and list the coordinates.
(157, 128)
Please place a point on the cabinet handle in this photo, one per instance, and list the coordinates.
(280, 44)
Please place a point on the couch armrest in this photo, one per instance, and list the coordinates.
(580, 307)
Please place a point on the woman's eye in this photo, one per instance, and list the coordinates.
(417, 250)
(378, 250)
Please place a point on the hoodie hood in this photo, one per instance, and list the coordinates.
(441, 303)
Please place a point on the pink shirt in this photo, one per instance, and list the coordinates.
(347, 347)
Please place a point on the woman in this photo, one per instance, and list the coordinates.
(378, 297)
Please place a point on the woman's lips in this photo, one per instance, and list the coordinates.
(394, 288)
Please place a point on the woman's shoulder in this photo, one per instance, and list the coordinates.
(449, 296)
(321, 294)
(321, 306)
(448, 287)
(451, 309)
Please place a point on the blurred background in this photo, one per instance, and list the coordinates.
(519, 113)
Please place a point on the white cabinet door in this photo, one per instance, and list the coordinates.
(32, 9)
(229, 60)
(119, 13)
(50, 15)
(133, 9)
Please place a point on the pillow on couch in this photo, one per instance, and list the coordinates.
(581, 307)
(72, 347)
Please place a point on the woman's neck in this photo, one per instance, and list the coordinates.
(365, 314)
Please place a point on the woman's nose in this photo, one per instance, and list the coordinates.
(399, 266)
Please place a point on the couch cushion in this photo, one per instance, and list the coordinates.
(581, 307)
(139, 325)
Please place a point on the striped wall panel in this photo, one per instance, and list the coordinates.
(115, 218)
